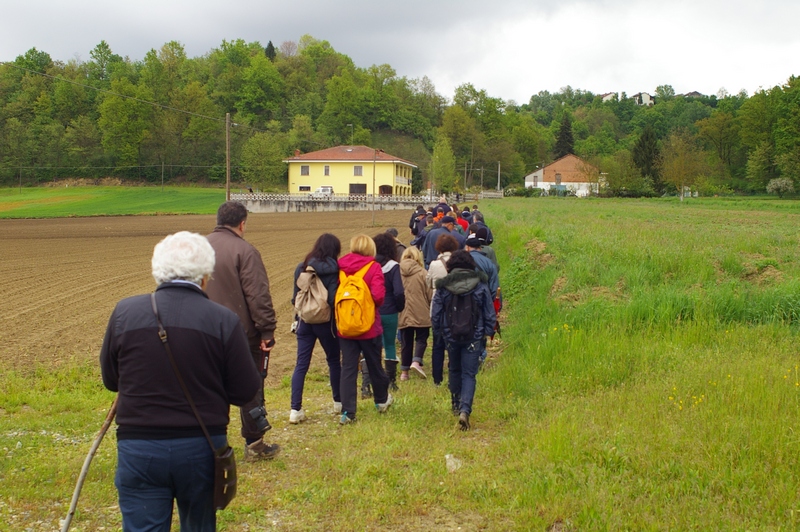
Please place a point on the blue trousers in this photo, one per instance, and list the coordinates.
(464, 364)
(437, 358)
(153, 473)
(307, 335)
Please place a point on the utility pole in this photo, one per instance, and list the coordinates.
(162, 176)
(498, 175)
(227, 156)
(481, 178)
(374, 160)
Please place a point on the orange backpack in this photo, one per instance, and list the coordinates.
(354, 306)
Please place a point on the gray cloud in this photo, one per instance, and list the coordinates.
(512, 48)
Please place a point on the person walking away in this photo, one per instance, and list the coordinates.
(393, 303)
(163, 455)
(445, 245)
(477, 218)
(415, 320)
(400, 246)
(462, 223)
(240, 283)
(482, 233)
(474, 245)
(429, 247)
(322, 259)
(360, 263)
(462, 312)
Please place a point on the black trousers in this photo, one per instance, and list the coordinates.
(351, 353)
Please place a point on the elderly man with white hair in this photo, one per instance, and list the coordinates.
(163, 454)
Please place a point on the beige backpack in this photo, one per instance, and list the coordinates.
(311, 302)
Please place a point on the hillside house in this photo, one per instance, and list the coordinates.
(642, 98)
(570, 173)
(349, 170)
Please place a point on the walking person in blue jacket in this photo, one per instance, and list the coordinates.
(463, 313)
(323, 258)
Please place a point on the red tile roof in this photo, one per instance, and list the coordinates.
(347, 153)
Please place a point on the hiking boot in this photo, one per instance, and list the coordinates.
(261, 451)
(383, 407)
(416, 367)
(346, 420)
(393, 386)
(337, 407)
(296, 416)
(463, 421)
(366, 391)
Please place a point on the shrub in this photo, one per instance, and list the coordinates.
(780, 186)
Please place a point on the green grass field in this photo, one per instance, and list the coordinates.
(107, 201)
(647, 379)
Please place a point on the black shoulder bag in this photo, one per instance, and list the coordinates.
(224, 459)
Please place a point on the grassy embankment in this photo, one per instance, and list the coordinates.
(647, 379)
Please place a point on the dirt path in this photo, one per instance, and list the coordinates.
(60, 279)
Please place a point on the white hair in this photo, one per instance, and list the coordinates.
(185, 256)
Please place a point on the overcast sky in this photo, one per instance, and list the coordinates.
(510, 48)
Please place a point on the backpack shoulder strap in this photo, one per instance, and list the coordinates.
(363, 271)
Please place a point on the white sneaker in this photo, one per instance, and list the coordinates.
(337, 407)
(383, 407)
(296, 416)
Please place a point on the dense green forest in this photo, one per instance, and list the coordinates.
(96, 118)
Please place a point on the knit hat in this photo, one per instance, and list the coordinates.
(478, 238)
(448, 220)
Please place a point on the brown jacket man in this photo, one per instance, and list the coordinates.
(240, 283)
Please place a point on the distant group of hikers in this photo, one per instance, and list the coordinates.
(179, 357)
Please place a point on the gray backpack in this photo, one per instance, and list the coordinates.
(311, 302)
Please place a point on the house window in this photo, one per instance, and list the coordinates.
(327, 170)
(358, 188)
(535, 181)
(304, 169)
(358, 170)
(304, 188)
(558, 179)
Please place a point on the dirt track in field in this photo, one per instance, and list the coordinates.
(60, 279)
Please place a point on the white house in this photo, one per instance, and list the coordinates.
(642, 98)
(569, 173)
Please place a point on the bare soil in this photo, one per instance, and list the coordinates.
(60, 279)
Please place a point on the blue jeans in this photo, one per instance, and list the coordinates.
(464, 364)
(437, 358)
(307, 335)
(153, 473)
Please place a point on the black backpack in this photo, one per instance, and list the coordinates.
(462, 317)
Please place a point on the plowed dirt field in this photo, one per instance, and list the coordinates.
(60, 279)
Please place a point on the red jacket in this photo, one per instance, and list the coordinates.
(350, 264)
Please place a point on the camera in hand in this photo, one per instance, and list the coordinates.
(259, 415)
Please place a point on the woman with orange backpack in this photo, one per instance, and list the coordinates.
(361, 292)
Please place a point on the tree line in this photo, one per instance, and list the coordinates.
(139, 119)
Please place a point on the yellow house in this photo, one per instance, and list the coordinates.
(349, 170)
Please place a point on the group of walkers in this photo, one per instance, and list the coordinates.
(453, 290)
(201, 343)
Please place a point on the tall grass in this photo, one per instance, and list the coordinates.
(647, 379)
